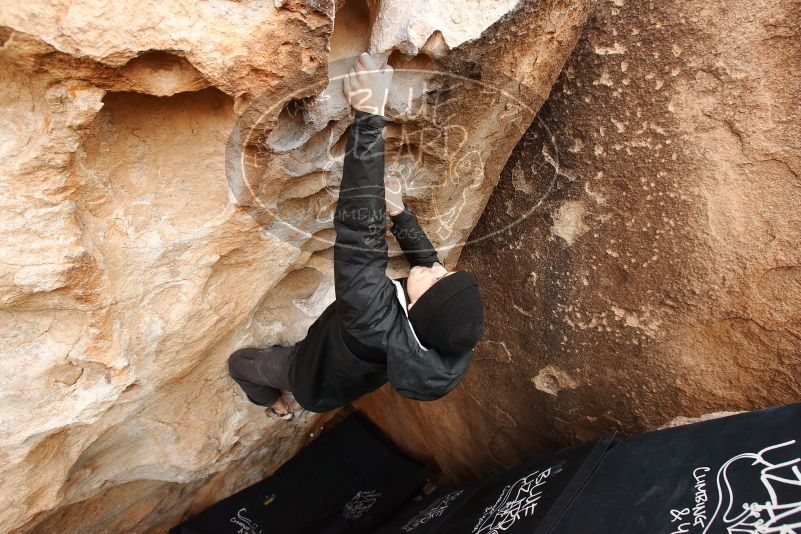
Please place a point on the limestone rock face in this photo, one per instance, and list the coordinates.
(168, 172)
(650, 270)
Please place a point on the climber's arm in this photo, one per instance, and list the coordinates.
(412, 238)
(360, 251)
(407, 231)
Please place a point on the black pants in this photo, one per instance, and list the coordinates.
(263, 373)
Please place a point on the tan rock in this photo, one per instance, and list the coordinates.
(138, 250)
(681, 420)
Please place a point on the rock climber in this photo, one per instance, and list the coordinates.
(418, 333)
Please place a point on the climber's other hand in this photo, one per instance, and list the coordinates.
(366, 86)
(393, 192)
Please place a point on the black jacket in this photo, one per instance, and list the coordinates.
(364, 338)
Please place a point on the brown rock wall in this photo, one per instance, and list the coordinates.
(651, 266)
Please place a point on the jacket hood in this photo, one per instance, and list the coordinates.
(418, 372)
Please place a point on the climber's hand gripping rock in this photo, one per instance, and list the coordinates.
(366, 86)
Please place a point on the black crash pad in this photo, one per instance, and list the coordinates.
(528, 499)
(736, 475)
(347, 481)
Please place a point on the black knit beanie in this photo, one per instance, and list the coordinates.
(449, 316)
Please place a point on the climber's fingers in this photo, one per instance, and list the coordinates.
(366, 62)
(355, 80)
(354, 88)
(392, 183)
(359, 83)
(359, 64)
(356, 77)
(368, 85)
